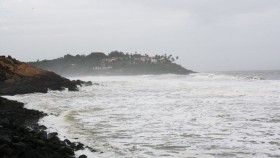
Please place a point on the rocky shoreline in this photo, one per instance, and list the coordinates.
(20, 134)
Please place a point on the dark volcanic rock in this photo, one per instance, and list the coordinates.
(23, 137)
(20, 78)
(83, 156)
(82, 83)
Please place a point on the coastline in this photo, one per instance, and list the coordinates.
(20, 133)
(22, 136)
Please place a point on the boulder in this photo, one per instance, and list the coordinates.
(52, 135)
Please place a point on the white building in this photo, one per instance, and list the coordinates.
(153, 60)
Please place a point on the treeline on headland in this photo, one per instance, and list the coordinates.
(114, 63)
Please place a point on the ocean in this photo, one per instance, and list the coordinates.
(202, 115)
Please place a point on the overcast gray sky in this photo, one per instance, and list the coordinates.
(207, 35)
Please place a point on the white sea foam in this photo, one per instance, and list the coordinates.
(200, 115)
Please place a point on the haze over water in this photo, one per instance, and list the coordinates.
(198, 115)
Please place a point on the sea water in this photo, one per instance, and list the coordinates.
(199, 115)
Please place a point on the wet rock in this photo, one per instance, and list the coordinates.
(96, 84)
(44, 152)
(82, 83)
(37, 142)
(52, 135)
(20, 146)
(78, 146)
(5, 121)
(5, 139)
(17, 139)
(75, 145)
(43, 135)
(42, 127)
(91, 149)
(54, 141)
(5, 150)
(66, 150)
(82, 156)
(32, 154)
(88, 83)
(24, 130)
(67, 142)
(24, 138)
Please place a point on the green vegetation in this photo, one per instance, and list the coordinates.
(115, 63)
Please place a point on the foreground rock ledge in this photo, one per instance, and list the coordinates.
(21, 136)
(20, 78)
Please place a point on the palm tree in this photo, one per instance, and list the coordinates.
(169, 57)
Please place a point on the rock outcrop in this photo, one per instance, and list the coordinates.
(20, 78)
(21, 135)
